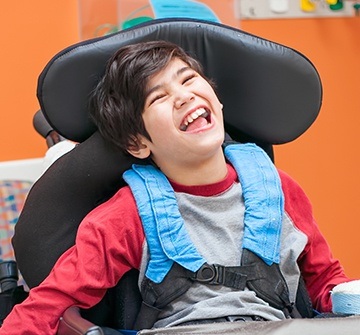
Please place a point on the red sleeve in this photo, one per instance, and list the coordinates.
(321, 272)
(108, 244)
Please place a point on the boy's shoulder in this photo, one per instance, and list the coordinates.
(291, 188)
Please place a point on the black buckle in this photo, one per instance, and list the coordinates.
(213, 274)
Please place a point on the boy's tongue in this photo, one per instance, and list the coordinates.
(196, 124)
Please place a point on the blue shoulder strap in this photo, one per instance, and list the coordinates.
(263, 198)
(163, 224)
(164, 228)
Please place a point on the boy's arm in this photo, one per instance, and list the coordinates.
(319, 269)
(108, 244)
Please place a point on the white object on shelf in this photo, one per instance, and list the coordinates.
(279, 6)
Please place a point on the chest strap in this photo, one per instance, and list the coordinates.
(266, 281)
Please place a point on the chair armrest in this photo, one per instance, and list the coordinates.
(72, 323)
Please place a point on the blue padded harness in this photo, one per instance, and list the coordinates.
(164, 227)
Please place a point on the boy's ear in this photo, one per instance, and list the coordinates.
(140, 150)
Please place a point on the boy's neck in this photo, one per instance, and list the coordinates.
(200, 173)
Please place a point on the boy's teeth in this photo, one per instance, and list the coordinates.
(193, 116)
(196, 114)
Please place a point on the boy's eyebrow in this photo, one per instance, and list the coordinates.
(177, 74)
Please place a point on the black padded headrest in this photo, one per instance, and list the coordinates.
(270, 92)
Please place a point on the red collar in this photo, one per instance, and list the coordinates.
(209, 189)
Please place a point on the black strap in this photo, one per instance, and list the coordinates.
(270, 284)
(266, 281)
(178, 281)
(157, 296)
(303, 301)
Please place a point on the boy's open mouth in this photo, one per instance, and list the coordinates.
(196, 120)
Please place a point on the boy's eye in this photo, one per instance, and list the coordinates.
(189, 77)
(155, 98)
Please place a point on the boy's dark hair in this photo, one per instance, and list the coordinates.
(118, 100)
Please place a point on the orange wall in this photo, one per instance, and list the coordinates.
(324, 160)
(31, 33)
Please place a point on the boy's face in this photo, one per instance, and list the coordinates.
(183, 117)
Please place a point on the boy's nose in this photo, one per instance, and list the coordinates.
(183, 98)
